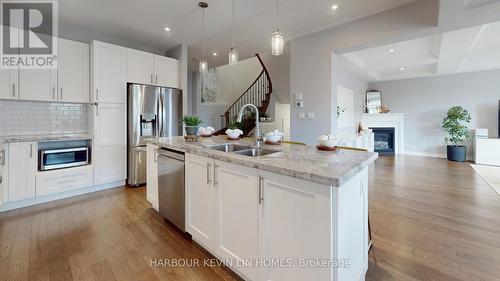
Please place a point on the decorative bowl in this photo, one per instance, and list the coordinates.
(234, 134)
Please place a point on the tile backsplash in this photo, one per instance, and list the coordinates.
(41, 118)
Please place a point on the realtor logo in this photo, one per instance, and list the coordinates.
(29, 30)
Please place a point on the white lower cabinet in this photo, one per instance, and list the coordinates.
(3, 173)
(57, 181)
(22, 161)
(152, 175)
(110, 143)
(296, 225)
(200, 200)
(237, 217)
(275, 227)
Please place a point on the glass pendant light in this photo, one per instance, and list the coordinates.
(233, 51)
(277, 41)
(203, 64)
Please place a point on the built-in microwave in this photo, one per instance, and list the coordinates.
(62, 156)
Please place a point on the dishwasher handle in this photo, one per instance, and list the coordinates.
(171, 154)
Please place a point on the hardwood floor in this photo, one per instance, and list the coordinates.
(431, 220)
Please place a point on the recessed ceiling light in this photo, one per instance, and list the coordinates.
(167, 29)
(335, 7)
(215, 54)
(402, 69)
(391, 50)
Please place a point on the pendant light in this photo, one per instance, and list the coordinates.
(233, 51)
(277, 41)
(203, 64)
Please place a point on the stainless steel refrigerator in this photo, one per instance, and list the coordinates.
(152, 112)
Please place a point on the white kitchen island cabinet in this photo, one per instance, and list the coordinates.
(274, 227)
(237, 208)
(200, 200)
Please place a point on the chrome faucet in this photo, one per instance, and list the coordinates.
(258, 133)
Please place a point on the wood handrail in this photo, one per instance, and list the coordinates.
(270, 88)
(267, 73)
(246, 91)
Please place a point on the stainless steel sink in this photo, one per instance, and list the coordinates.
(257, 152)
(230, 147)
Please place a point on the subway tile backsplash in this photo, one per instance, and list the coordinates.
(42, 118)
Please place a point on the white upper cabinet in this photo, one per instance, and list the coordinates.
(9, 88)
(140, 67)
(73, 71)
(109, 73)
(166, 71)
(38, 84)
(147, 68)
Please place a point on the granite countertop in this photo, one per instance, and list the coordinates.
(303, 162)
(42, 138)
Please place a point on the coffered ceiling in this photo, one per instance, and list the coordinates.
(467, 50)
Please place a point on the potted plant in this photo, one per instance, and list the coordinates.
(455, 124)
(191, 123)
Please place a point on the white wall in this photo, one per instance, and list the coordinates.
(180, 53)
(426, 100)
(347, 76)
(232, 81)
(311, 62)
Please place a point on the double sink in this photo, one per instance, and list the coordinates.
(243, 149)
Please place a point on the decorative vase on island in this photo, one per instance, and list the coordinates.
(191, 130)
(457, 153)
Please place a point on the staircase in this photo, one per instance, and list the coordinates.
(258, 94)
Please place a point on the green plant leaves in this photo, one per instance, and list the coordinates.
(456, 125)
(192, 120)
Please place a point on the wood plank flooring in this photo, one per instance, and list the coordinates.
(431, 220)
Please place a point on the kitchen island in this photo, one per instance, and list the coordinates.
(293, 214)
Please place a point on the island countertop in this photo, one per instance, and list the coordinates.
(332, 168)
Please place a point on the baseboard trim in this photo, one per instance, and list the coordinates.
(425, 154)
(52, 197)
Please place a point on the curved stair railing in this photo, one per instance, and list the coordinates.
(258, 94)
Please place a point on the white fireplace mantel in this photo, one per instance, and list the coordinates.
(388, 120)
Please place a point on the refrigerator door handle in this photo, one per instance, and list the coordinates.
(160, 116)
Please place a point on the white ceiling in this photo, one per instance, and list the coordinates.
(141, 23)
(467, 50)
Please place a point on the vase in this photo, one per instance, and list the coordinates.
(191, 130)
(457, 153)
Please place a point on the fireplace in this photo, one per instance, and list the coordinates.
(384, 140)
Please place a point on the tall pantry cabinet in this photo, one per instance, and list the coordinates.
(108, 64)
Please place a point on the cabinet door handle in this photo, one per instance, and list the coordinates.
(151, 77)
(13, 90)
(208, 173)
(261, 186)
(215, 175)
(96, 109)
(156, 75)
(31, 150)
(2, 157)
(97, 94)
(61, 94)
(53, 93)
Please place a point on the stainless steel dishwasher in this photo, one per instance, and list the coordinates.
(171, 190)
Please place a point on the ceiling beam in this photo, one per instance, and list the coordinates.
(454, 47)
